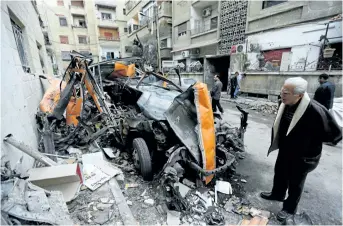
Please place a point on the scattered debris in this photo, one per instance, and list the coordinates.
(173, 218)
(243, 180)
(64, 178)
(29, 203)
(129, 202)
(150, 202)
(183, 189)
(262, 213)
(131, 186)
(299, 219)
(255, 221)
(109, 152)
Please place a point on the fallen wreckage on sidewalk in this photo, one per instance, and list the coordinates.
(172, 135)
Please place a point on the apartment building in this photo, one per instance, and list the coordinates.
(290, 38)
(24, 59)
(141, 17)
(111, 25)
(69, 25)
(195, 33)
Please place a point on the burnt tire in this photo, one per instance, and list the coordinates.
(143, 156)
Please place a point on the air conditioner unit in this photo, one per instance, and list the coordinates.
(240, 48)
(206, 12)
(185, 54)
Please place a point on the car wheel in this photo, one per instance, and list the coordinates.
(142, 158)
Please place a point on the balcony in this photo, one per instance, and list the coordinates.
(107, 38)
(202, 27)
(107, 23)
(130, 4)
(77, 10)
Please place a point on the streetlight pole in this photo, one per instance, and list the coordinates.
(158, 39)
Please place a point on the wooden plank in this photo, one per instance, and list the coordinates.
(245, 222)
(263, 221)
(124, 209)
(255, 221)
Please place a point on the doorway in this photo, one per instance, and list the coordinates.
(221, 67)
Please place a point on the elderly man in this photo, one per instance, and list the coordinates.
(216, 94)
(300, 128)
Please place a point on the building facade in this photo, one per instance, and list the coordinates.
(289, 38)
(69, 25)
(141, 17)
(23, 59)
(111, 24)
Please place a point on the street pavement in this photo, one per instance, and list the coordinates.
(322, 196)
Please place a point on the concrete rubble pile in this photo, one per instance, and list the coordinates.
(135, 126)
(259, 105)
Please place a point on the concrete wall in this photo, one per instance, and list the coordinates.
(302, 39)
(20, 92)
(287, 13)
(271, 82)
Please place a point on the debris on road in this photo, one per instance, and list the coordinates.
(133, 123)
(299, 219)
(173, 217)
(150, 202)
(64, 178)
(262, 213)
(243, 181)
(31, 204)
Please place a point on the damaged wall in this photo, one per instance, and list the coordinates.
(20, 92)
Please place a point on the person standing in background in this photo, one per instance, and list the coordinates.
(216, 94)
(238, 87)
(233, 84)
(325, 92)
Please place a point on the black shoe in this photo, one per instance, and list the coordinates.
(283, 215)
(270, 196)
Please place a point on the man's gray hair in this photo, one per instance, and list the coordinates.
(300, 84)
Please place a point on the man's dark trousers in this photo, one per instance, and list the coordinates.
(215, 104)
(290, 173)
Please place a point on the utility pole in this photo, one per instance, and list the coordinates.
(158, 38)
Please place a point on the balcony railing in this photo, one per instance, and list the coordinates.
(79, 26)
(130, 4)
(203, 27)
(109, 38)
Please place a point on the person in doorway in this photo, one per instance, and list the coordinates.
(233, 84)
(238, 87)
(325, 92)
(216, 94)
(300, 128)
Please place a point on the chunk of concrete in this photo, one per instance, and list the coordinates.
(183, 189)
(173, 218)
(150, 202)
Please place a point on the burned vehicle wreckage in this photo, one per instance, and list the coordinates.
(171, 134)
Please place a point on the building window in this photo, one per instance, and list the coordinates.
(124, 11)
(214, 23)
(125, 29)
(65, 55)
(19, 39)
(75, 3)
(164, 43)
(109, 55)
(63, 22)
(64, 39)
(270, 3)
(106, 16)
(182, 29)
(60, 3)
(82, 23)
(82, 39)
